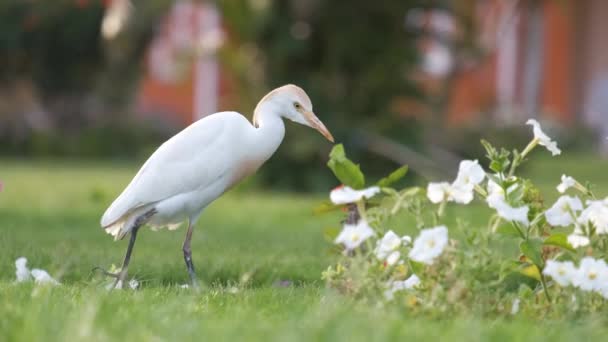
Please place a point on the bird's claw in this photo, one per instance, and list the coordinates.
(120, 276)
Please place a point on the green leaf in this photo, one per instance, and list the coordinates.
(559, 240)
(508, 230)
(490, 150)
(347, 172)
(394, 177)
(325, 207)
(532, 250)
(417, 267)
(330, 233)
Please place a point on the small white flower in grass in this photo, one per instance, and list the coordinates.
(506, 211)
(353, 235)
(462, 193)
(561, 213)
(515, 306)
(22, 273)
(562, 272)
(578, 240)
(597, 214)
(400, 285)
(439, 192)
(470, 173)
(592, 274)
(42, 277)
(543, 139)
(345, 194)
(406, 239)
(429, 244)
(389, 243)
(133, 284)
(567, 183)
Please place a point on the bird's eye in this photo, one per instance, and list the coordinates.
(297, 105)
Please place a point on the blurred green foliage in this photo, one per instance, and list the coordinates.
(352, 57)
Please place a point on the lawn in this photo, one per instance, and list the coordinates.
(259, 254)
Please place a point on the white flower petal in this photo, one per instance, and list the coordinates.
(389, 243)
(577, 240)
(461, 193)
(592, 274)
(560, 214)
(504, 209)
(429, 244)
(399, 285)
(353, 235)
(596, 213)
(567, 182)
(562, 272)
(134, 284)
(470, 173)
(515, 306)
(345, 194)
(438, 192)
(42, 277)
(543, 139)
(393, 258)
(22, 273)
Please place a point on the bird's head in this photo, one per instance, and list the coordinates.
(292, 102)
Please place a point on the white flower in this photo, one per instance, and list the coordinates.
(596, 213)
(389, 243)
(429, 244)
(578, 240)
(567, 182)
(353, 235)
(393, 258)
(504, 210)
(345, 194)
(561, 213)
(400, 285)
(592, 274)
(461, 190)
(543, 139)
(406, 240)
(22, 273)
(42, 277)
(462, 193)
(470, 173)
(562, 272)
(133, 284)
(515, 306)
(439, 192)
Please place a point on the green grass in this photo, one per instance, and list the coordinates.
(245, 246)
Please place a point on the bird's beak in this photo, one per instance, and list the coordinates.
(315, 123)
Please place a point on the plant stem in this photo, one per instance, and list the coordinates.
(545, 289)
(517, 160)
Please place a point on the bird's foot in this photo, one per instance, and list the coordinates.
(120, 276)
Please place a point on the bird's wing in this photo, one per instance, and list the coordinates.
(193, 159)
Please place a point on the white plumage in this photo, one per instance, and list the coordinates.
(196, 166)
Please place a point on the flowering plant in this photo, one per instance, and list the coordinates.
(526, 248)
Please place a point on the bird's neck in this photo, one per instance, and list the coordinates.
(270, 128)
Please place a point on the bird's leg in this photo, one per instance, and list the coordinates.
(121, 276)
(188, 255)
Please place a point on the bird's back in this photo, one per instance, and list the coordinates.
(193, 159)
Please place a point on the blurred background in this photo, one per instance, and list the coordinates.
(398, 82)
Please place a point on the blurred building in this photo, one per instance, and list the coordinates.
(183, 81)
(535, 58)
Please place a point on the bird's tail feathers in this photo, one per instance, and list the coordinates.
(127, 222)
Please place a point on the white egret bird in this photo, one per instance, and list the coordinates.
(199, 164)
